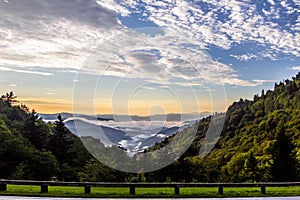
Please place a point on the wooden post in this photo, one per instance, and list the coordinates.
(263, 189)
(3, 187)
(132, 189)
(44, 188)
(176, 189)
(87, 189)
(221, 191)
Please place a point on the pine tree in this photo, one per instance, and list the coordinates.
(59, 143)
(251, 168)
(262, 93)
(62, 146)
(284, 163)
(9, 98)
(36, 131)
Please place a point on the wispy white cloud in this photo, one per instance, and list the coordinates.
(228, 22)
(244, 57)
(50, 92)
(46, 101)
(162, 62)
(26, 71)
(112, 5)
(12, 85)
(236, 81)
(147, 87)
(295, 68)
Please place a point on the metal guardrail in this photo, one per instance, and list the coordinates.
(132, 186)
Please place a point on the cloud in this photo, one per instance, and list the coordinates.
(12, 85)
(26, 71)
(50, 92)
(46, 101)
(296, 68)
(229, 22)
(147, 87)
(144, 62)
(39, 12)
(251, 83)
(112, 5)
(52, 33)
(86, 35)
(159, 59)
(244, 57)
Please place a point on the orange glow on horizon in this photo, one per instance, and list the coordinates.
(142, 108)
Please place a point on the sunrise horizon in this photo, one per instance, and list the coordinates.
(57, 105)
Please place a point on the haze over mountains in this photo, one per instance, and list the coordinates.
(132, 133)
(108, 117)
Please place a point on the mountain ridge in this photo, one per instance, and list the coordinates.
(112, 117)
(250, 129)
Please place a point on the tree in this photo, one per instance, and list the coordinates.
(22, 172)
(234, 168)
(262, 93)
(284, 163)
(69, 151)
(60, 143)
(14, 150)
(94, 171)
(43, 165)
(251, 168)
(9, 98)
(36, 131)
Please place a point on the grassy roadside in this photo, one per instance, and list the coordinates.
(148, 192)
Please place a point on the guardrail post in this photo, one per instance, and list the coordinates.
(176, 189)
(87, 189)
(3, 187)
(132, 189)
(44, 188)
(221, 191)
(263, 189)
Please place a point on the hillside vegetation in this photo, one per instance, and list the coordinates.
(260, 141)
(32, 149)
(247, 146)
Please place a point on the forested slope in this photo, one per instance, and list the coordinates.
(246, 148)
(32, 149)
(252, 126)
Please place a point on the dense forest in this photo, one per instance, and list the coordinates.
(260, 141)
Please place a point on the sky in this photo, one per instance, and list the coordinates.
(145, 57)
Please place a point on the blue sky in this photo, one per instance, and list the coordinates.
(144, 57)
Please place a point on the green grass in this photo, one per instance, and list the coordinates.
(148, 192)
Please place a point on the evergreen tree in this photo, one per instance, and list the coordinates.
(22, 172)
(65, 147)
(43, 165)
(59, 143)
(284, 163)
(36, 131)
(251, 168)
(262, 93)
(9, 98)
